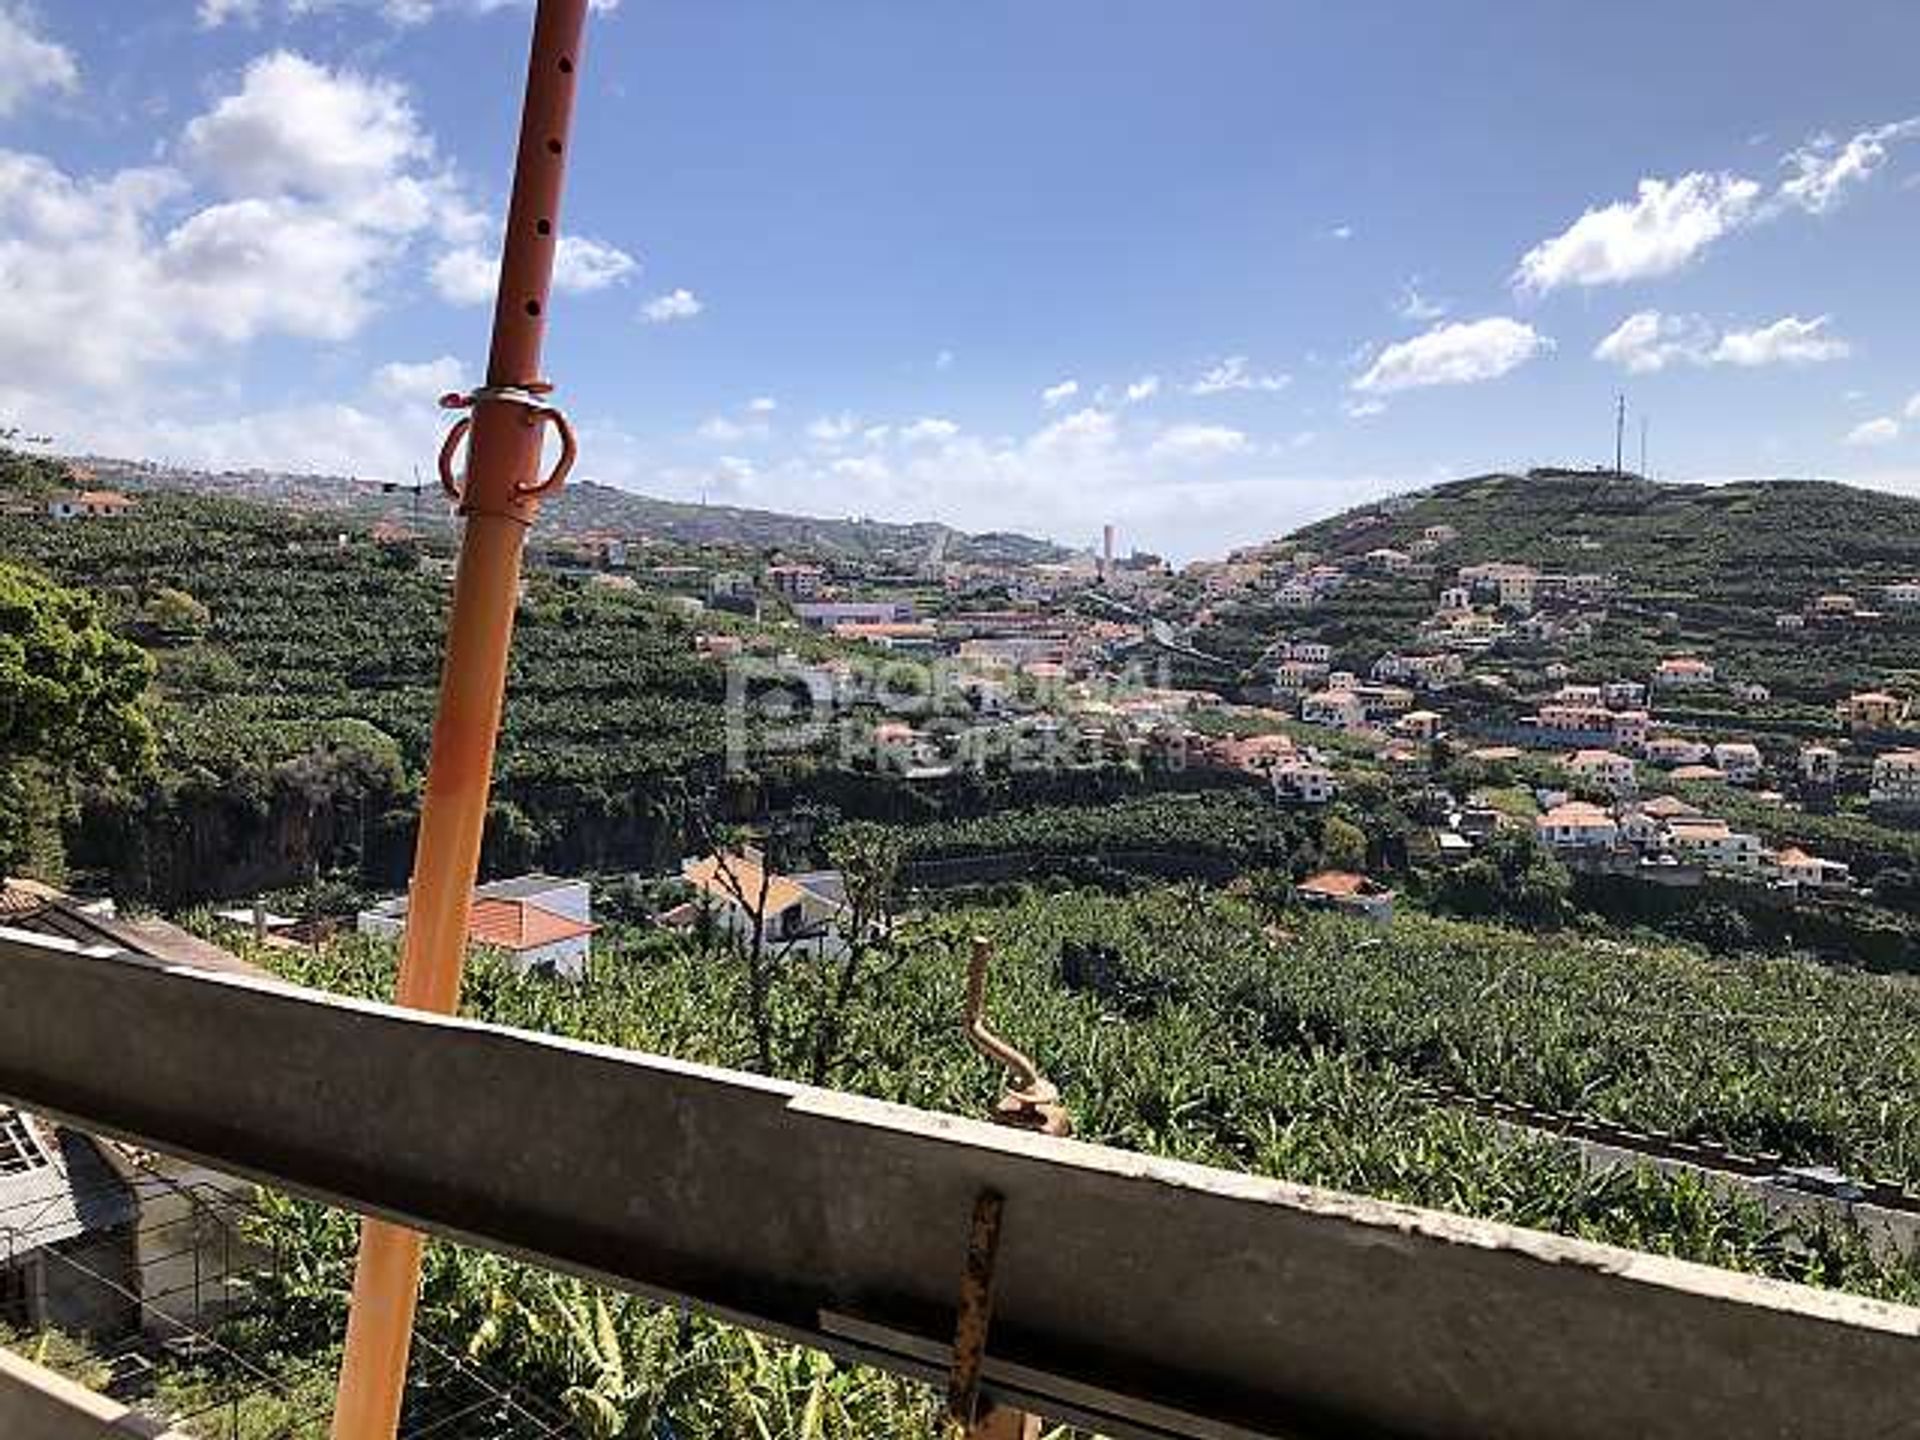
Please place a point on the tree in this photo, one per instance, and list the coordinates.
(71, 696)
(1343, 845)
(1513, 875)
(868, 858)
(174, 614)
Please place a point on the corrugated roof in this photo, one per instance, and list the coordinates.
(70, 1191)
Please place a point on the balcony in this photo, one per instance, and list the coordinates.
(1132, 1295)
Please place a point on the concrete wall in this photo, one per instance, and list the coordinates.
(1137, 1296)
(36, 1404)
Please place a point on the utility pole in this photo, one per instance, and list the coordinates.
(499, 495)
(1619, 432)
(1643, 448)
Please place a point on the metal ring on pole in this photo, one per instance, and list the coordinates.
(569, 451)
(450, 482)
(535, 408)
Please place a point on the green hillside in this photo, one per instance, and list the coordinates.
(296, 683)
(1698, 568)
(1769, 542)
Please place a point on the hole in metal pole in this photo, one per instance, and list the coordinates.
(566, 65)
(544, 227)
(533, 307)
(553, 147)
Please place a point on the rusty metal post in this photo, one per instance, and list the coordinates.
(499, 498)
(1030, 1102)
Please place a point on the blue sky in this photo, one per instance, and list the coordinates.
(1205, 270)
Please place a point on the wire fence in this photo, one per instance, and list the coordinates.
(152, 1289)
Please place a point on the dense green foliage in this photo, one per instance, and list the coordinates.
(71, 706)
(297, 678)
(1240, 825)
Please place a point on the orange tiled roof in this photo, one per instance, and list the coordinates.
(521, 925)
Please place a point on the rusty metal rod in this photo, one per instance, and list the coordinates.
(499, 499)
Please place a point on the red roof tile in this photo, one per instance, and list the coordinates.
(521, 925)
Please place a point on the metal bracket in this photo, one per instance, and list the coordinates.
(534, 407)
(975, 1312)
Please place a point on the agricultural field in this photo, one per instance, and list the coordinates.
(295, 695)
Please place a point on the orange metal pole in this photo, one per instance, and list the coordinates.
(499, 500)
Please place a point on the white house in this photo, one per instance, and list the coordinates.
(1303, 782)
(1903, 592)
(1683, 672)
(1676, 750)
(1342, 709)
(1716, 844)
(1796, 867)
(1819, 764)
(1576, 825)
(89, 505)
(1294, 676)
(797, 912)
(1312, 652)
(1419, 724)
(1739, 760)
(1455, 598)
(1623, 694)
(1896, 778)
(1601, 770)
(539, 921)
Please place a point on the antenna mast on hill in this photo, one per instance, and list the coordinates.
(1619, 431)
(1644, 475)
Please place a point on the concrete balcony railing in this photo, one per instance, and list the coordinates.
(1134, 1296)
(36, 1404)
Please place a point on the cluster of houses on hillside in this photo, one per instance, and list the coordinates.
(1666, 833)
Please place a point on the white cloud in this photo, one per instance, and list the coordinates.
(1883, 431)
(876, 434)
(426, 380)
(1824, 170)
(1057, 394)
(1417, 307)
(1668, 224)
(1648, 341)
(1362, 409)
(863, 469)
(674, 305)
(832, 429)
(1912, 412)
(928, 428)
(321, 182)
(470, 275)
(1080, 431)
(1341, 232)
(1145, 388)
(404, 13)
(944, 360)
(1232, 374)
(1787, 341)
(1196, 443)
(297, 128)
(1462, 353)
(215, 13)
(30, 63)
(725, 429)
(763, 405)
